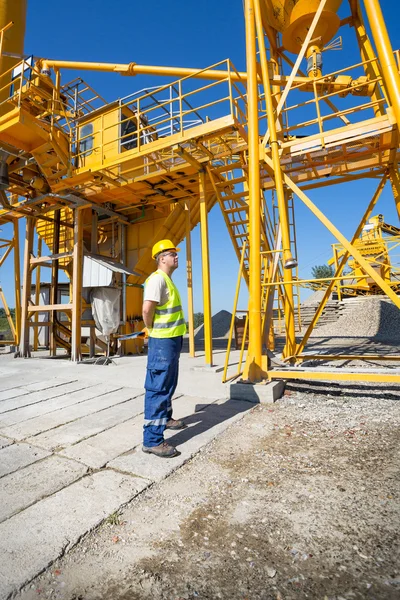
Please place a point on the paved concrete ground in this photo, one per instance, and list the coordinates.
(70, 449)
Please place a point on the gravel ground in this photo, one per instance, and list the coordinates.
(297, 500)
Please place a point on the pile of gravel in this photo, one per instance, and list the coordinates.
(221, 323)
(371, 317)
(315, 298)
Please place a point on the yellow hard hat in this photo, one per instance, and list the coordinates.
(162, 246)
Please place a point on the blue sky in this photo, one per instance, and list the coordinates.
(192, 34)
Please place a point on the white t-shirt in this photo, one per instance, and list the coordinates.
(156, 290)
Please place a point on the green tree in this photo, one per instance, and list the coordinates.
(322, 271)
(198, 319)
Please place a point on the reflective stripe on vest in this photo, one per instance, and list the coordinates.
(169, 320)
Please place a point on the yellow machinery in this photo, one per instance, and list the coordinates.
(111, 178)
(377, 248)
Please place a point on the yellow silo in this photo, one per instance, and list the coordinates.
(13, 42)
(292, 18)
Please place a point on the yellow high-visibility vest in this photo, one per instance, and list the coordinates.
(169, 320)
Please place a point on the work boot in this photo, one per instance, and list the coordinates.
(164, 450)
(175, 424)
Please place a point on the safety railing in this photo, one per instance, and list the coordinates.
(310, 118)
(163, 112)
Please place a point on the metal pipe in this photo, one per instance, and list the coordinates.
(132, 69)
(386, 57)
(205, 267)
(288, 261)
(253, 370)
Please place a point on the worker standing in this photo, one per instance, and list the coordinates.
(163, 316)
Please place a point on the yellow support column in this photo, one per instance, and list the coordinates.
(77, 286)
(253, 370)
(37, 297)
(395, 181)
(189, 272)
(391, 77)
(205, 267)
(17, 276)
(26, 288)
(288, 261)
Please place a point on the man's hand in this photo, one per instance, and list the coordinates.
(149, 307)
(146, 333)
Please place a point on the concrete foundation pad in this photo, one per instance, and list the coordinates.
(26, 486)
(205, 422)
(259, 393)
(5, 442)
(48, 528)
(16, 456)
(208, 368)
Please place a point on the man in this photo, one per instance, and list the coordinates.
(163, 316)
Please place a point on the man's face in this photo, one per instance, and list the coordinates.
(170, 258)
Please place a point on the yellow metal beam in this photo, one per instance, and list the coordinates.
(365, 376)
(205, 267)
(365, 265)
(280, 193)
(253, 370)
(26, 288)
(77, 286)
(189, 275)
(17, 278)
(386, 57)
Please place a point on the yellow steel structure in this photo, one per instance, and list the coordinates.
(111, 178)
(377, 242)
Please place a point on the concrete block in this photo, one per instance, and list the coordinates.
(16, 456)
(208, 368)
(34, 482)
(50, 527)
(258, 393)
(7, 349)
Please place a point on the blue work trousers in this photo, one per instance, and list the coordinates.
(160, 385)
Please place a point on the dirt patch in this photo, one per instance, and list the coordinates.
(297, 500)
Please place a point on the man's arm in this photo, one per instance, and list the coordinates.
(149, 306)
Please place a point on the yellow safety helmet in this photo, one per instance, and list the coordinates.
(162, 246)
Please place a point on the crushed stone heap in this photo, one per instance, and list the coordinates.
(374, 317)
(221, 323)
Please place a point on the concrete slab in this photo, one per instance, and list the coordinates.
(98, 450)
(15, 409)
(203, 426)
(16, 456)
(50, 400)
(49, 527)
(88, 426)
(42, 423)
(34, 482)
(263, 393)
(15, 392)
(4, 442)
(36, 386)
(206, 423)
